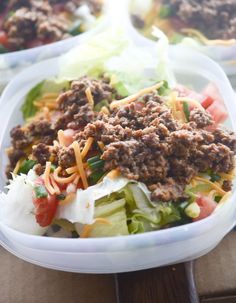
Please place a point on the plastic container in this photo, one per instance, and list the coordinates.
(124, 253)
(13, 62)
(224, 55)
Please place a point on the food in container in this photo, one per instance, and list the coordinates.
(31, 31)
(116, 94)
(208, 26)
(27, 24)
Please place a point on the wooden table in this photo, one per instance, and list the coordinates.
(171, 284)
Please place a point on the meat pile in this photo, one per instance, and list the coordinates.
(142, 139)
(215, 18)
(40, 20)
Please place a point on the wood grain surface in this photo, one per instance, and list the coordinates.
(170, 284)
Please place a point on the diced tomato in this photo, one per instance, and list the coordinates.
(207, 102)
(212, 91)
(218, 112)
(207, 206)
(45, 210)
(3, 39)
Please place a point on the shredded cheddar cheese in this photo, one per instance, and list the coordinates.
(79, 163)
(129, 99)
(113, 174)
(55, 186)
(63, 180)
(17, 167)
(87, 147)
(89, 96)
(205, 40)
(213, 185)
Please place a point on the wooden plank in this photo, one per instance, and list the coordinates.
(170, 284)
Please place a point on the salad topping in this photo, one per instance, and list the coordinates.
(30, 23)
(153, 159)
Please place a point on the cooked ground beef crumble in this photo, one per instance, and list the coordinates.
(141, 139)
(29, 23)
(215, 18)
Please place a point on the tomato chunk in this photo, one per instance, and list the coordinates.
(45, 207)
(207, 206)
(45, 210)
(3, 39)
(207, 102)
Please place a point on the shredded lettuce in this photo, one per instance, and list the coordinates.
(46, 86)
(129, 66)
(81, 210)
(89, 58)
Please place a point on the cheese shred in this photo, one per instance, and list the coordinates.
(89, 96)
(129, 99)
(79, 163)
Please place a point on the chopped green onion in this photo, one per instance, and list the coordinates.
(186, 110)
(40, 191)
(215, 177)
(53, 167)
(26, 166)
(95, 177)
(93, 159)
(10, 13)
(98, 165)
(3, 49)
(165, 11)
(76, 28)
(218, 198)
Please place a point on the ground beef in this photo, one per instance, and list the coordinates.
(41, 153)
(21, 27)
(225, 137)
(169, 191)
(215, 18)
(39, 169)
(41, 127)
(227, 185)
(76, 95)
(218, 157)
(33, 20)
(141, 139)
(53, 29)
(19, 137)
(147, 144)
(66, 157)
(14, 156)
(76, 112)
(201, 118)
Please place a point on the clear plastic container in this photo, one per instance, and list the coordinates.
(13, 62)
(124, 253)
(224, 55)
